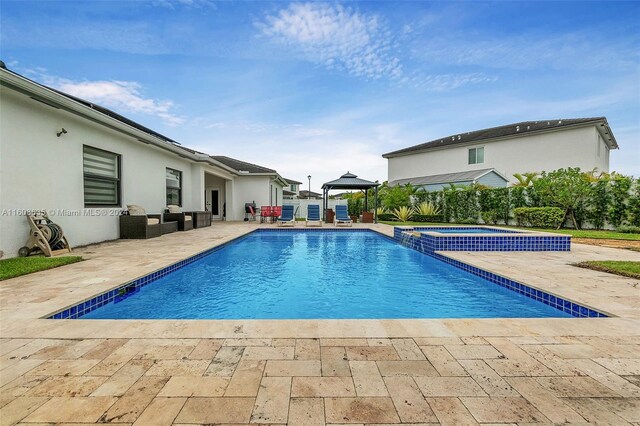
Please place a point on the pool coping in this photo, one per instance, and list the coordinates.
(122, 290)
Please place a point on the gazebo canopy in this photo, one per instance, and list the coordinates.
(349, 181)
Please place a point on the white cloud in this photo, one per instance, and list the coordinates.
(121, 96)
(337, 37)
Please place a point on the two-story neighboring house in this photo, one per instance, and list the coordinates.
(492, 156)
(292, 191)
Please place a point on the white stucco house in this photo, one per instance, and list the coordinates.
(84, 163)
(499, 152)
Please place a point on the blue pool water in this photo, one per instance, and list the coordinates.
(457, 230)
(294, 275)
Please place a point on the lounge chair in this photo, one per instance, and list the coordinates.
(139, 225)
(313, 215)
(342, 216)
(286, 218)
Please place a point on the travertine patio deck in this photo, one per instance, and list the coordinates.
(317, 371)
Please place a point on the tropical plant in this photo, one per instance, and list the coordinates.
(634, 205)
(403, 213)
(525, 179)
(395, 197)
(427, 208)
(598, 203)
(381, 210)
(539, 217)
(620, 186)
(564, 188)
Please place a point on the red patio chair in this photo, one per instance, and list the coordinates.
(265, 213)
(276, 212)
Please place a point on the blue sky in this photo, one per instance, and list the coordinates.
(322, 88)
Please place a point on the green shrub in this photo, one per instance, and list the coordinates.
(403, 213)
(387, 217)
(634, 205)
(628, 229)
(539, 217)
(620, 186)
(428, 218)
(599, 199)
(490, 216)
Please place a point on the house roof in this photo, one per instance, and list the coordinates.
(285, 192)
(241, 166)
(515, 129)
(349, 181)
(446, 178)
(305, 194)
(291, 181)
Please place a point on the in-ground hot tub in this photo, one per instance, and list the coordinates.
(430, 239)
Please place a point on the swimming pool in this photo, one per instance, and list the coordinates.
(465, 230)
(297, 274)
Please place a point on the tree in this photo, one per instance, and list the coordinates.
(395, 197)
(564, 188)
(620, 186)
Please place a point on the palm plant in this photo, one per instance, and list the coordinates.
(525, 179)
(403, 213)
(427, 208)
(381, 210)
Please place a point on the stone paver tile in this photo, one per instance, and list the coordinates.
(360, 410)
(579, 350)
(268, 352)
(594, 411)
(307, 349)
(178, 367)
(135, 400)
(406, 368)
(547, 403)
(165, 352)
(322, 387)
(67, 386)
(18, 369)
(503, 410)
(408, 400)
(115, 361)
(606, 377)
(18, 387)
(208, 386)
(473, 351)
(272, 402)
(160, 412)
(334, 361)
(73, 350)
(473, 340)
(55, 367)
(578, 387)
(206, 349)
(367, 379)
(20, 408)
(216, 410)
(437, 341)
(371, 353)
(306, 412)
(612, 349)
(104, 349)
(443, 361)
(632, 379)
(247, 342)
(76, 409)
(343, 342)
(489, 380)
(518, 367)
(407, 349)
(293, 368)
(627, 408)
(124, 378)
(9, 345)
(451, 411)
(276, 343)
(449, 386)
(246, 379)
(558, 365)
(621, 366)
(225, 361)
(379, 342)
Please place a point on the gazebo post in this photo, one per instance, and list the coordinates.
(375, 211)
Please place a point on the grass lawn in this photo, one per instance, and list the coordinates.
(10, 268)
(582, 233)
(618, 267)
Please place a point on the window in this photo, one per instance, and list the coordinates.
(294, 187)
(101, 171)
(174, 187)
(476, 155)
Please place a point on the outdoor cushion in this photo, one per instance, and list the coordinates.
(136, 210)
(187, 217)
(174, 209)
(153, 221)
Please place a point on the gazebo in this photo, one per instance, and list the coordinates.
(349, 181)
